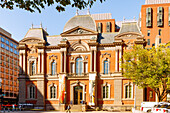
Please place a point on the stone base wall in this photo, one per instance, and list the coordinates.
(117, 108)
(52, 107)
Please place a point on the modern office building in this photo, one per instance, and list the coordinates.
(9, 67)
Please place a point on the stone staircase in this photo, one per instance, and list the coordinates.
(81, 108)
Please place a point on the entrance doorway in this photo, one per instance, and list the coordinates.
(78, 94)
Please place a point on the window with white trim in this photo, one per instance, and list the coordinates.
(52, 92)
(32, 92)
(106, 91)
(128, 91)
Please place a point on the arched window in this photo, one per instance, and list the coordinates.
(32, 92)
(52, 92)
(79, 66)
(53, 68)
(32, 68)
(106, 67)
(128, 91)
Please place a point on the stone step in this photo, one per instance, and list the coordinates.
(78, 108)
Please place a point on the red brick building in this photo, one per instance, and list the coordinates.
(81, 65)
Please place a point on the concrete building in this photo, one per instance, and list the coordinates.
(9, 67)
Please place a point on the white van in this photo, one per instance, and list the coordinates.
(147, 106)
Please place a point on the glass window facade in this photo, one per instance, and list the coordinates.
(11, 44)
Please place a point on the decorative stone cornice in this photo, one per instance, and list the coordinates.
(93, 44)
(52, 47)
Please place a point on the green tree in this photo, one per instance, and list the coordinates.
(32, 5)
(149, 68)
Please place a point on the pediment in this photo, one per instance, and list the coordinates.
(79, 31)
(129, 35)
(31, 40)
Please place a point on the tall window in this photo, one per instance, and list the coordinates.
(148, 17)
(106, 91)
(160, 16)
(32, 91)
(53, 68)
(108, 26)
(52, 92)
(106, 67)
(160, 41)
(148, 41)
(128, 91)
(160, 32)
(79, 66)
(148, 32)
(85, 67)
(33, 68)
(99, 27)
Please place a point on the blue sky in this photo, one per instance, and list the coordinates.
(18, 21)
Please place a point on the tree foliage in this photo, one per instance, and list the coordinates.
(32, 5)
(149, 68)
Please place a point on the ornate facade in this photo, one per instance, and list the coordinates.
(81, 66)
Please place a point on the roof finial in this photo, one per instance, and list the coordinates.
(134, 18)
(32, 26)
(77, 12)
(123, 19)
(41, 25)
(88, 11)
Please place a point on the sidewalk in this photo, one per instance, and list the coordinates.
(62, 112)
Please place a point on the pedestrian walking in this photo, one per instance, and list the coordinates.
(68, 108)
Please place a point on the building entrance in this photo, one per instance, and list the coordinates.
(78, 94)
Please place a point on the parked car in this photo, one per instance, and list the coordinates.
(164, 108)
(147, 106)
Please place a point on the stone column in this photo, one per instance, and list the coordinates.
(39, 58)
(118, 91)
(139, 96)
(65, 61)
(94, 60)
(120, 60)
(22, 90)
(116, 60)
(40, 93)
(20, 63)
(91, 63)
(42, 63)
(61, 63)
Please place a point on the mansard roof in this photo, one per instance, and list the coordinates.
(36, 33)
(129, 27)
(53, 40)
(85, 21)
(106, 38)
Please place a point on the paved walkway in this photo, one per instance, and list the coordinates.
(61, 112)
